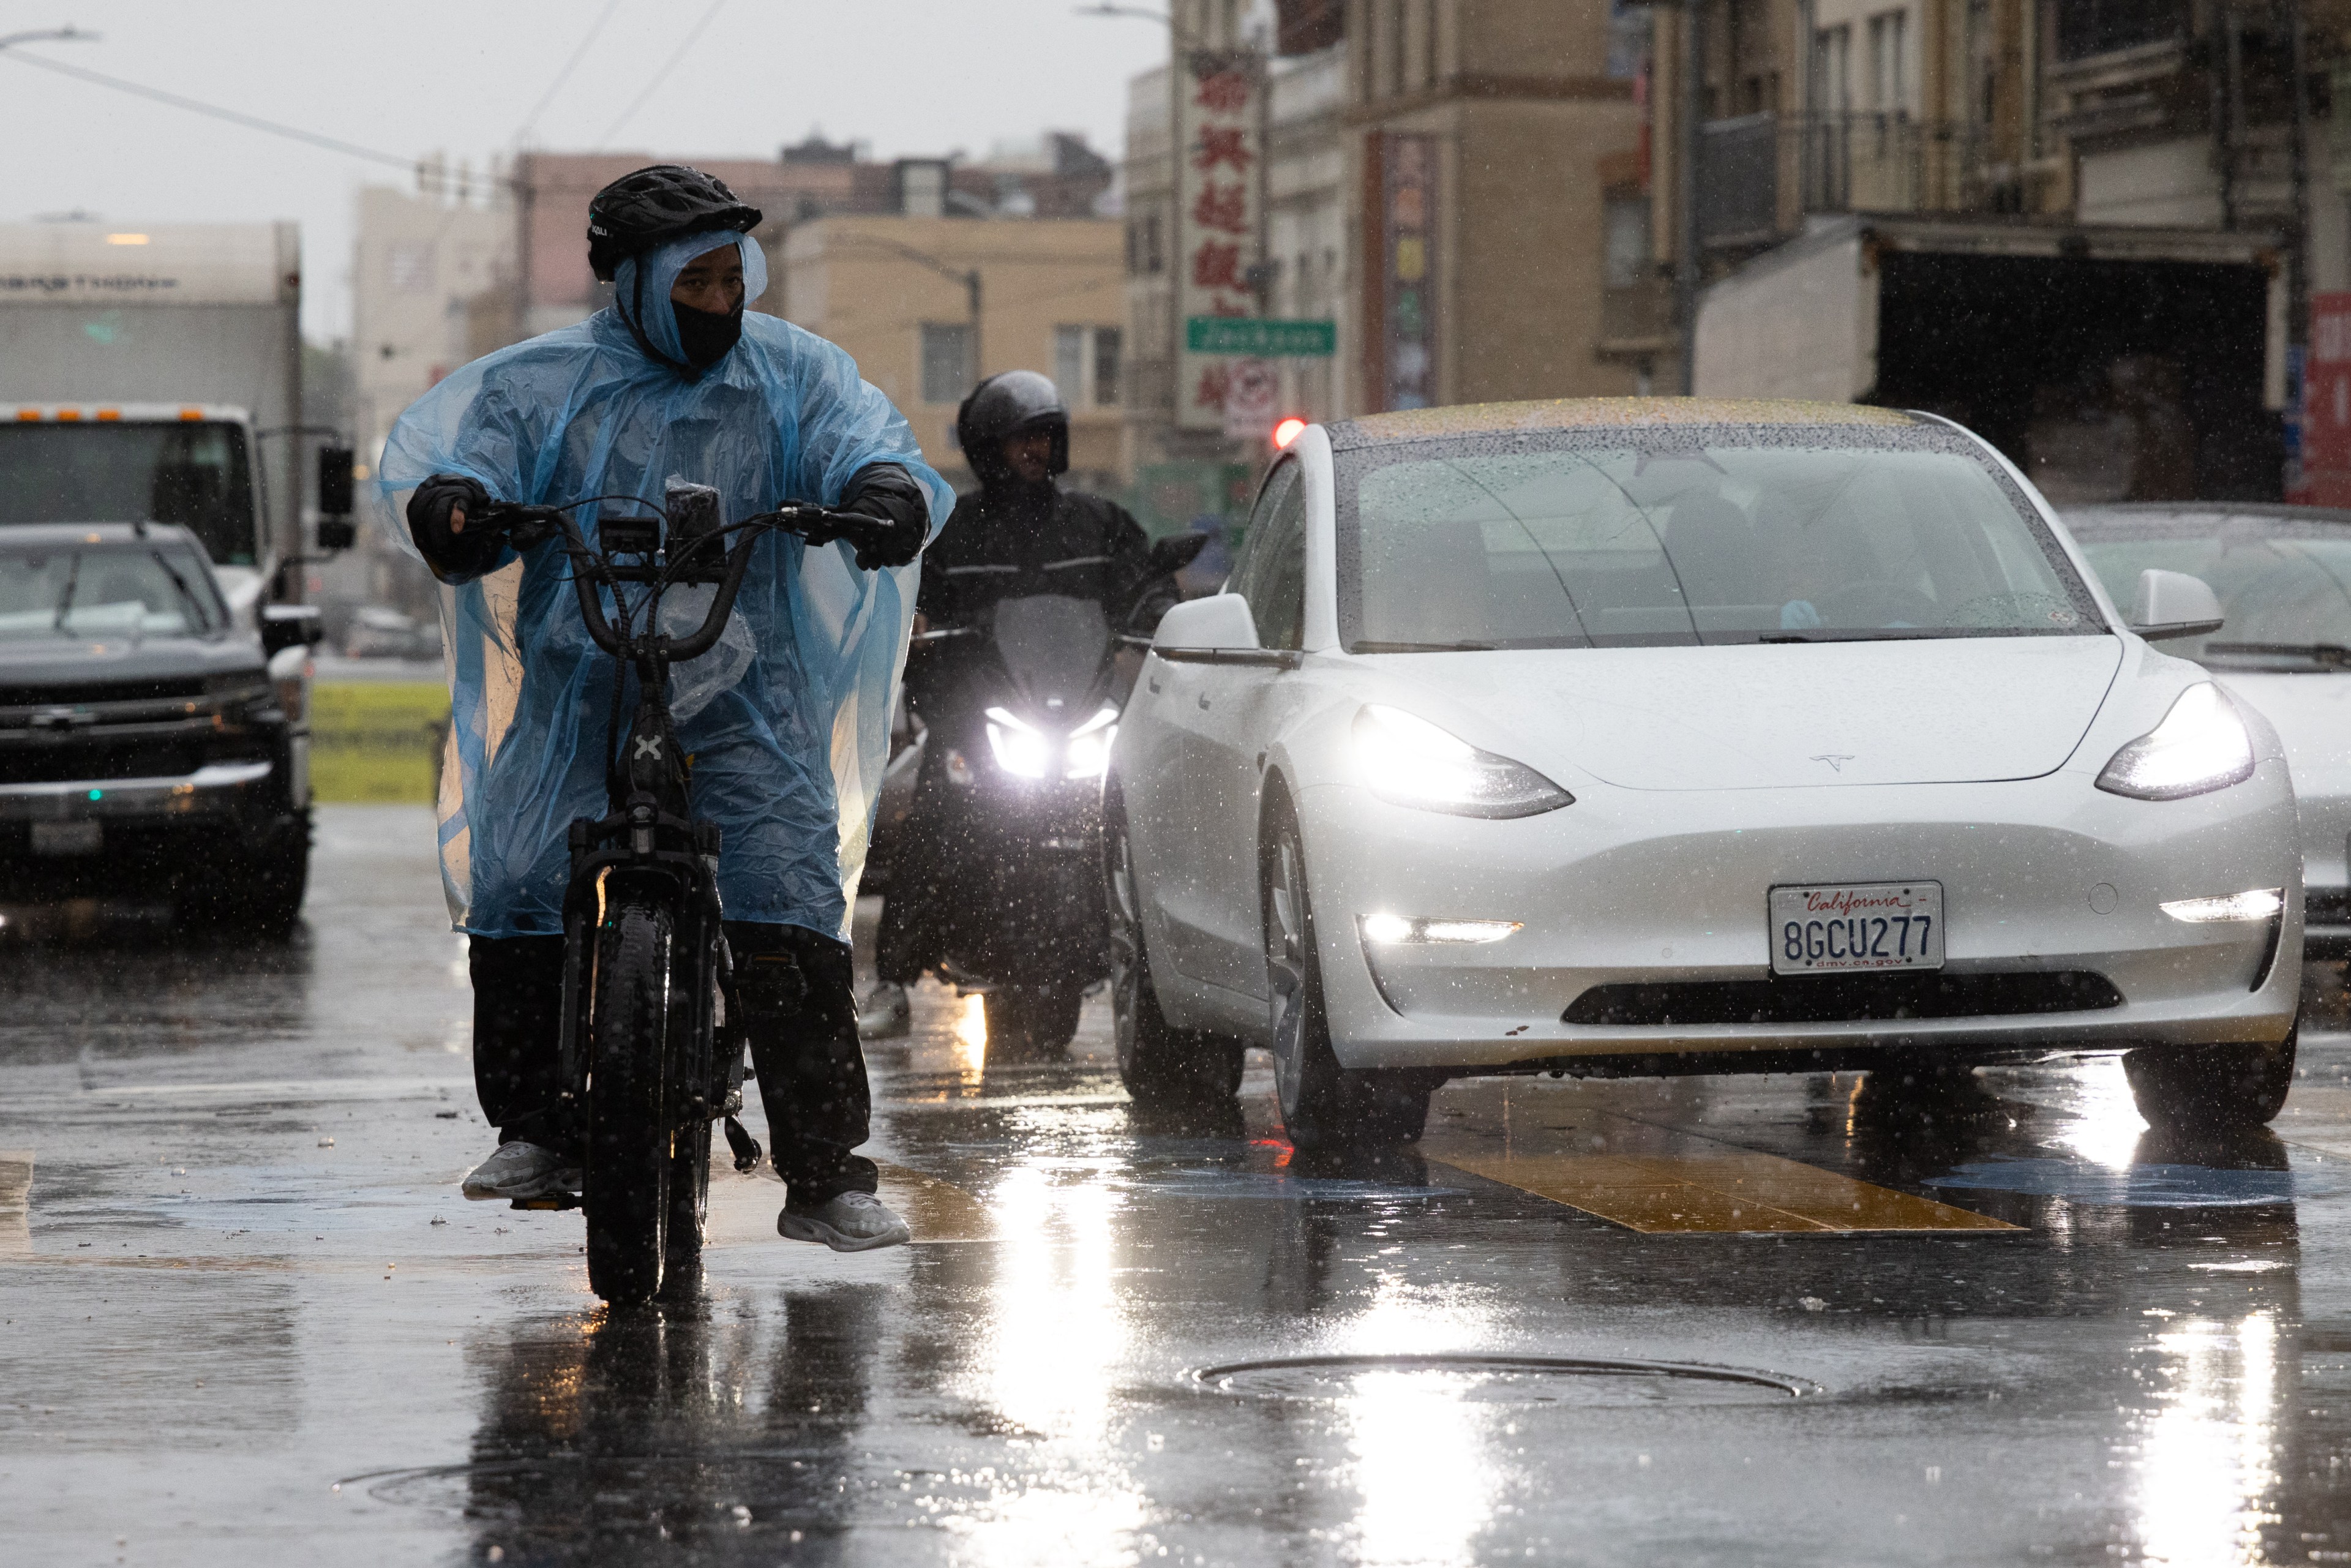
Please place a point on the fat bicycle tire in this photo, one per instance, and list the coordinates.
(630, 1156)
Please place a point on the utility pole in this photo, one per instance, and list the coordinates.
(1692, 71)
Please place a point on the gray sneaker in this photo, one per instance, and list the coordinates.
(522, 1170)
(851, 1222)
(887, 1013)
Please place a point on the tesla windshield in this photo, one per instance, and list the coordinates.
(105, 592)
(1683, 536)
(2284, 580)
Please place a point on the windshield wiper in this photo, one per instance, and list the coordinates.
(65, 599)
(1887, 636)
(199, 614)
(1374, 648)
(2333, 654)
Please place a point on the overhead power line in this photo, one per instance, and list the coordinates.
(595, 30)
(661, 75)
(237, 117)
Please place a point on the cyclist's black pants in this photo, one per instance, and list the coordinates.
(797, 988)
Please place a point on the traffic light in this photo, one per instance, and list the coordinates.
(1286, 430)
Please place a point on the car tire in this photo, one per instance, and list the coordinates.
(1163, 1067)
(1323, 1105)
(2211, 1088)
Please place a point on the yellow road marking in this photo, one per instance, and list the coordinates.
(1661, 1181)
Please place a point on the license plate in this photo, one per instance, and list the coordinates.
(68, 838)
(1841, 927)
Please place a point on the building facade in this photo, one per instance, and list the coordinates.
(899, 293)
(1455, 186)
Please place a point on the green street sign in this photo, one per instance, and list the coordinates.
(1259, 338)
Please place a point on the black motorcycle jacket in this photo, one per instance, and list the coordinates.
(1012, 540)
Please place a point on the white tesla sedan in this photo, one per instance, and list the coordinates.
(1669, 736)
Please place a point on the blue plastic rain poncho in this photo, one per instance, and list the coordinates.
(788, 720)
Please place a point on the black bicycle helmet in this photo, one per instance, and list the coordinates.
(1006, 404)
(651, 208)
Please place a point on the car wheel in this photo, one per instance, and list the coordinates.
(1323, 1103)
(2211, 1088)
(1161, 1066)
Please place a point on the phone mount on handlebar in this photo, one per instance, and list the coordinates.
(696, 554)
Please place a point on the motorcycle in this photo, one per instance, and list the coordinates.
(1020, 710)
(652, 1040)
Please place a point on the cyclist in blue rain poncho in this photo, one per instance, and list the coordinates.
(787, 720)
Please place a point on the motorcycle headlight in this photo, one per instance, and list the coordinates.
(1021, 749)
(2200, 745)
(1408, 761)
(1088, 754)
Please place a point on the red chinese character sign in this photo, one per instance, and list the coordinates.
(1408, 237)
(2326, 405)
(1219, 198)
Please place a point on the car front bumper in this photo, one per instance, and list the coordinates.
(2040, 878)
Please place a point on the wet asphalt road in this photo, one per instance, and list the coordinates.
(248, 1319)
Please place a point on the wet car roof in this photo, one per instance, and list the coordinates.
(56, 536)
(1602, 414)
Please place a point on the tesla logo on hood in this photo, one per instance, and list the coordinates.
(1836, 759)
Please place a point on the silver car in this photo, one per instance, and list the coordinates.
(1643, 737)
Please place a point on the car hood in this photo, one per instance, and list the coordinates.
(2311, 714)
(1953, 710)
(34, 665)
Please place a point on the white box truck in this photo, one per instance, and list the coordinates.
(2110, 364)
(153, 373)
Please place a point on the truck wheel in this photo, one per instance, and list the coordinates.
(1323, 1105)
(630, 1148)
(1161, 1066)
(2211, 1088)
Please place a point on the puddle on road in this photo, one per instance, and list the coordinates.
(2150, 1185)
(1503, 1380)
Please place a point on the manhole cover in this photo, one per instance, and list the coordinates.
(1502, 1379)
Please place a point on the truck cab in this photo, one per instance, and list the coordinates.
(192, 465)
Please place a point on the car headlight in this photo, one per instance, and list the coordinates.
(1408, 761)
(2200, 745)
(1021, 749)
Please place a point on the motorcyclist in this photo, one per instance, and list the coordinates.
(1020, 534)
(785, 722)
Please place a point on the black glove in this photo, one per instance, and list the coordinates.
(453, 557)
(887, 492)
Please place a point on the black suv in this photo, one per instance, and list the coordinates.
(149, 745)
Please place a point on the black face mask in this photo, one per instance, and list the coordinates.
(706, 335)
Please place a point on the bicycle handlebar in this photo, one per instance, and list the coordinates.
(526, 525)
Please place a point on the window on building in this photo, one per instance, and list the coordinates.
(947, 373)
(1110, 345)
(2099, 27)
(1889, 57)
(1087, 363)
(408, 267)
(1626, 263)
(1070, 362)
(1832, 70)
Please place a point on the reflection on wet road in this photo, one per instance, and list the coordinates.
(1793, 1321)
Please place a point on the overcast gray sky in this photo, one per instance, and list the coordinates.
(909, 76)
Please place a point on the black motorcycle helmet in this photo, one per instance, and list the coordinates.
(639, 212)
(1004, 405)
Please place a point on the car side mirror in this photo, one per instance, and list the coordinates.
(285, 626)
(1176, 551)
(1220, 620)
(2174, 604)
(337, 486)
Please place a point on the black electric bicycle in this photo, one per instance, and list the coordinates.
(653, 1042)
